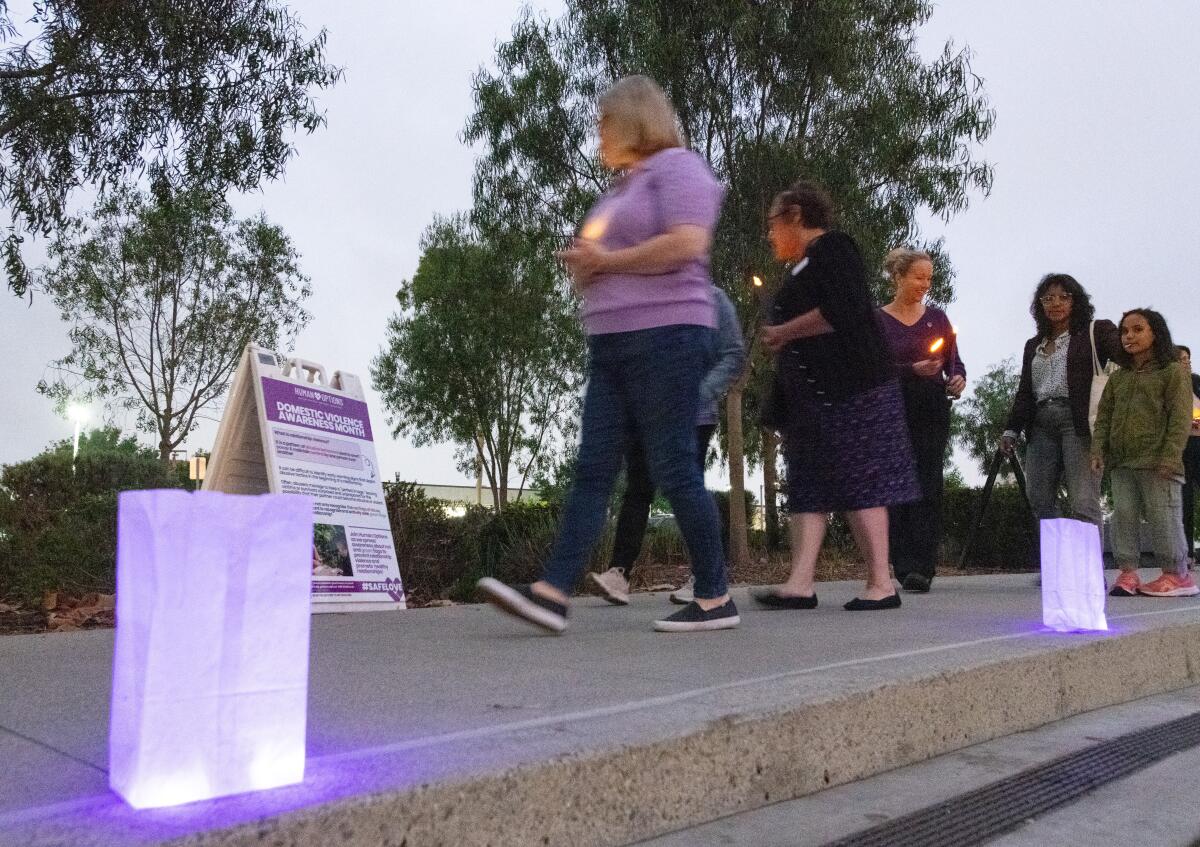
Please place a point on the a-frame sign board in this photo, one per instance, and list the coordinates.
(288, 429)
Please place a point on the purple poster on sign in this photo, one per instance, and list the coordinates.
(311, 408)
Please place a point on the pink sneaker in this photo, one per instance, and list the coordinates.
(1127, 585)
(1170, 585)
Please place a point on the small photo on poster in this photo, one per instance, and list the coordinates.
(331, 551)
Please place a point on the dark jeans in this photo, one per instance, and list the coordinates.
(643, 384)
(1191, 470)
(915, 529)
(639, 494)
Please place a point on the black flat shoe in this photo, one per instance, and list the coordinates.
(860, 605)
(772, 600)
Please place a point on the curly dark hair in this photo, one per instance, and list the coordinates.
(811, 200)
(1082, 310)
(1163, 352)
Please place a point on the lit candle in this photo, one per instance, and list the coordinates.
(757, 281)
(593, 229)
(937, 345)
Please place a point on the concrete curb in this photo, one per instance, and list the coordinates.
(747, 760)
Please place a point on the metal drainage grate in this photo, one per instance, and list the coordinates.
(978, 816)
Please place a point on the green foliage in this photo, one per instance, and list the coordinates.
(768, 92)
(101, 440)
(58, 528)
(485, 344)
(978, 420)
(1007, 539)
(953, 479)
(722, 498)
(190, 94)
(425, 542)
(512, 545)
(553, 480)
(162, 296)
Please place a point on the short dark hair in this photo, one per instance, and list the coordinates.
(1185, 349)
(810, 200)
(1082, 310)
(1163, 350)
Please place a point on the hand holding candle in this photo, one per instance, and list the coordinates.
(584, 259)
(931, 367)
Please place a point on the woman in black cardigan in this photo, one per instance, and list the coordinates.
(1052, 402)
(838, 402)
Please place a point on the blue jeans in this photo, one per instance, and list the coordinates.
(643, 384)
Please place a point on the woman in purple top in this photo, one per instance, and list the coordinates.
(925, 353)
(641, 264)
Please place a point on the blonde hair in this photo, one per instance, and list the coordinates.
(898, 261)
(642, 116)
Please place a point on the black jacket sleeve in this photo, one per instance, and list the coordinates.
(841, 285)
(1023, 404)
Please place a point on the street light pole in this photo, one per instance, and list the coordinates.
(78, 415)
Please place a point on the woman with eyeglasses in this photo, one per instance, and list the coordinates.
(837, 401)
(1054, 395)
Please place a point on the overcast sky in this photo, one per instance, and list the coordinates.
(1095, 149)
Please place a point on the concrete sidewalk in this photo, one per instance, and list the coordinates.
(457, 726)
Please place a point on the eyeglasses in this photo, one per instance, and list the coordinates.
(1050, 299)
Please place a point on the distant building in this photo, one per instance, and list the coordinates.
(458, 497)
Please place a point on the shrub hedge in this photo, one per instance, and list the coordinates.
(58, 528)
(1007, 537)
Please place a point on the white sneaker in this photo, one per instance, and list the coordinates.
(684, 594)
(613, 585)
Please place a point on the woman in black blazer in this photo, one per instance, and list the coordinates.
(1052, 402)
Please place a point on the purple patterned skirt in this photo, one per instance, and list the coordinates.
(851, 454)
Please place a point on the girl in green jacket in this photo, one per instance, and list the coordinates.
(1141, 428)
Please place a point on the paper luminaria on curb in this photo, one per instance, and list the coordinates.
(1073, 589)
(210, 664)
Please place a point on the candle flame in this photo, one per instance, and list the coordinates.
(937, 345)
(594, 229)
(757, 281)
(954, 330)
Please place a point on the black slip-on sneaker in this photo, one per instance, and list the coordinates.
(520, 602)
(860, 605)
(916, 583)
(773, 600)
(691, 618)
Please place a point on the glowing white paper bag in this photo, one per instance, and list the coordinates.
(210, 667)
(1073, 589)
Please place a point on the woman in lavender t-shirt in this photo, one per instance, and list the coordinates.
(641, 264)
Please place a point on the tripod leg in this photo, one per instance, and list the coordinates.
(1019, 473)
(981, 509)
